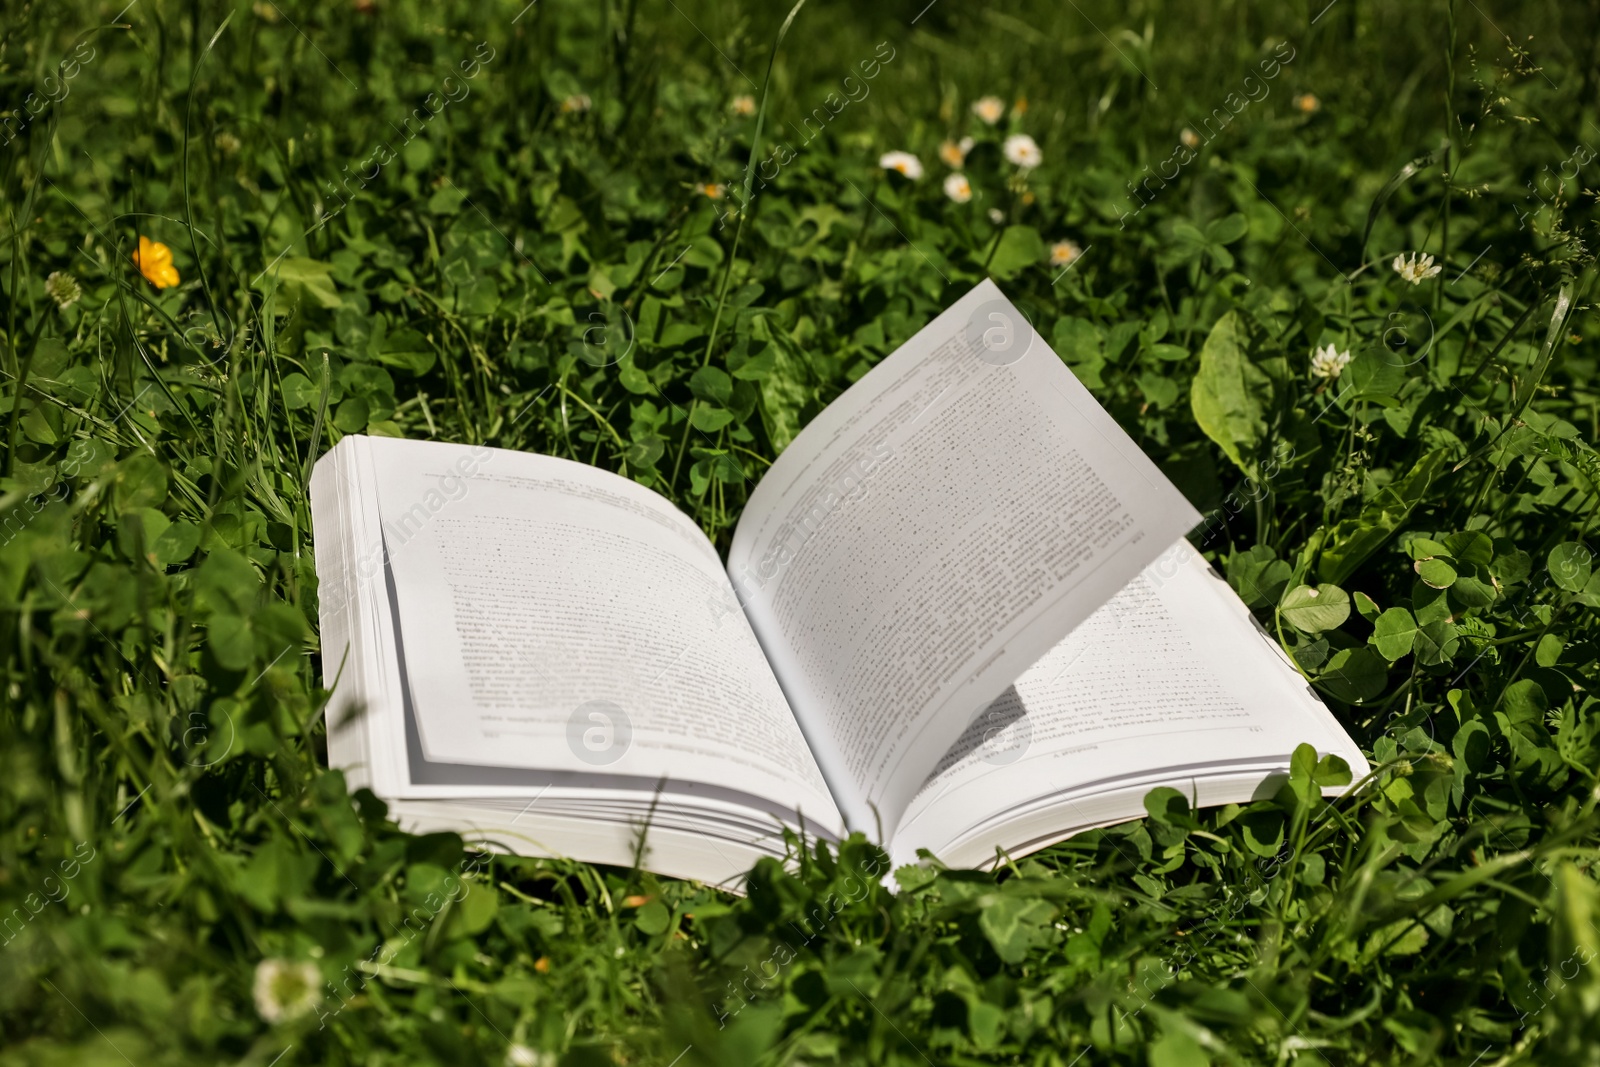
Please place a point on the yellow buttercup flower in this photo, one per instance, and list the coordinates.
(154, 261)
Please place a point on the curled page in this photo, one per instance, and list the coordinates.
(930, 535)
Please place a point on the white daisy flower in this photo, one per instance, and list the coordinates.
(996, 216)
(1415, 270)
(957, 188)
(286, 990)
(1189, 138)
(1064, 252)
(989, 109)
(743, 105)
(954, 153)
(902, 163)
(1327, 362)
(1023, 151)
(63, 288)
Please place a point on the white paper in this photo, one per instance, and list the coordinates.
(1170, 679)
(930, 535)
(558, 617)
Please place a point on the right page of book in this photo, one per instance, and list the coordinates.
(1170, 682)
(930, 535)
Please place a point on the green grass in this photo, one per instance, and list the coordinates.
(529, 273)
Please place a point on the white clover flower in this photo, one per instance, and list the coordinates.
(996, 216)
(1023, 151)
(743, 105)
(63, 288)
(1327, 362)
(1414, 270)
(957, 188)
(286, 990)
(989, 109)
(1064, 252)
(577, 102)
(523, 1056)
(901, 163)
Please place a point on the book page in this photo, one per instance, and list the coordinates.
(930, 535)
(561, 618)
(1169, 679)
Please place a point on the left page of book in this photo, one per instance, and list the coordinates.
(561, 618)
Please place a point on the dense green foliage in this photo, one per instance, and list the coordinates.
(544, 228)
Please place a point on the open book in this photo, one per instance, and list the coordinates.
(958, 614)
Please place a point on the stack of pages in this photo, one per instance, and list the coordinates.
(958, 614)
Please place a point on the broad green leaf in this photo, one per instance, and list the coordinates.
(1570, 566)
(1366, 606)
(1257, 575)
(231, 640)
(1350, 542)
(406, 349)
(1470, 546)
(1170, 807)
(352, 414)
(711, 384)
(708, 419)
(1230, 395)
(301, 279)
(1371, 376)
(176, 543)
(1226, 230)
(1525, 701)
(1426, 548)
(785, 391)
(1435, 573)
(1548, 651)
(1473, 590)
(141, 482)
(1436, 643)
(1332, 771)
(1394, 633)
(1403, 937)
(1013, 924)
(1312, 609)
(1263, 831)
(1175, 1048)
(473, 913)
(1510, 565)
(1471, 744)
(1020, 247)
(1355, 674)
(299, 391)
(653, 918)
(138, 530)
